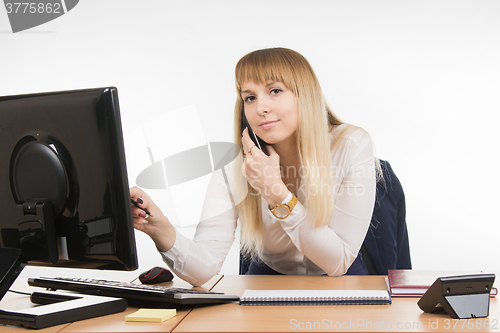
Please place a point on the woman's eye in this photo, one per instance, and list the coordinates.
(249, 98)
(275, 91)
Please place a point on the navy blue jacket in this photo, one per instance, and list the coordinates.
(386, 241)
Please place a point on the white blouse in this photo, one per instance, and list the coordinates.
(292, 245)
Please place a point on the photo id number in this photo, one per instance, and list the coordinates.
(33, 7)
(476, 324)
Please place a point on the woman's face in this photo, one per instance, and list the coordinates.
(271, 110)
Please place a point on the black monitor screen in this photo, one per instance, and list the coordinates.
(64, 193)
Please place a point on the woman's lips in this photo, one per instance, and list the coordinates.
(268, 124)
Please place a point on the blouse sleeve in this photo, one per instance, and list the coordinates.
(198, 260)
(334, 247)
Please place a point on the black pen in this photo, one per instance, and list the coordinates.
(132, 201)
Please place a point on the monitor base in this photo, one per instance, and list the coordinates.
(56, 308)
(61, 308)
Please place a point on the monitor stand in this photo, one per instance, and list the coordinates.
(56, 308)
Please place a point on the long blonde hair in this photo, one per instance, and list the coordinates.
(315, 120)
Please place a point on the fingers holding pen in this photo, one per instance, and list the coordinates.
(145, 212)
(149, 219)
(142, 205)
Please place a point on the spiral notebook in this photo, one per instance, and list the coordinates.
(317, 297)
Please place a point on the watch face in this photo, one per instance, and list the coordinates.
(281, 211)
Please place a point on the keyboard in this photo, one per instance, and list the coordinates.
(133, 291)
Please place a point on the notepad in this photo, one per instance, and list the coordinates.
(151, 315)
(316, 297)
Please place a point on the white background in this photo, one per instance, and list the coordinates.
(422, 77)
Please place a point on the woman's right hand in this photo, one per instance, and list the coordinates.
(157, 226)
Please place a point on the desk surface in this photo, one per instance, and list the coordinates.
(402, 315)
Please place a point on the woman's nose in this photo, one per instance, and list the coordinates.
(263, 106)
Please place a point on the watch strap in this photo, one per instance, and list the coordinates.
(288, 204)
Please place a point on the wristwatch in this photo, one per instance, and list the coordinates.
(282, 211)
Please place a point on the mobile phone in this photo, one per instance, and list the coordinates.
(258, 141)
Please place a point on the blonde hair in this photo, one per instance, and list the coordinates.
(315, 120)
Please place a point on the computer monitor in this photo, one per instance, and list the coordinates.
(64, 193)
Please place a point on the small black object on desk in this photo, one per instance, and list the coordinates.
(462, 297)
(156, 275)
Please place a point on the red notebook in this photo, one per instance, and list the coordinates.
(414, 283)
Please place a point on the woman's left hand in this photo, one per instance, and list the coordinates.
(263, 172)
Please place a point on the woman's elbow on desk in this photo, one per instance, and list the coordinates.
(195, 273)
(197, 281)
(343, 265)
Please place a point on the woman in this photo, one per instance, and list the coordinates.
(308, 201)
